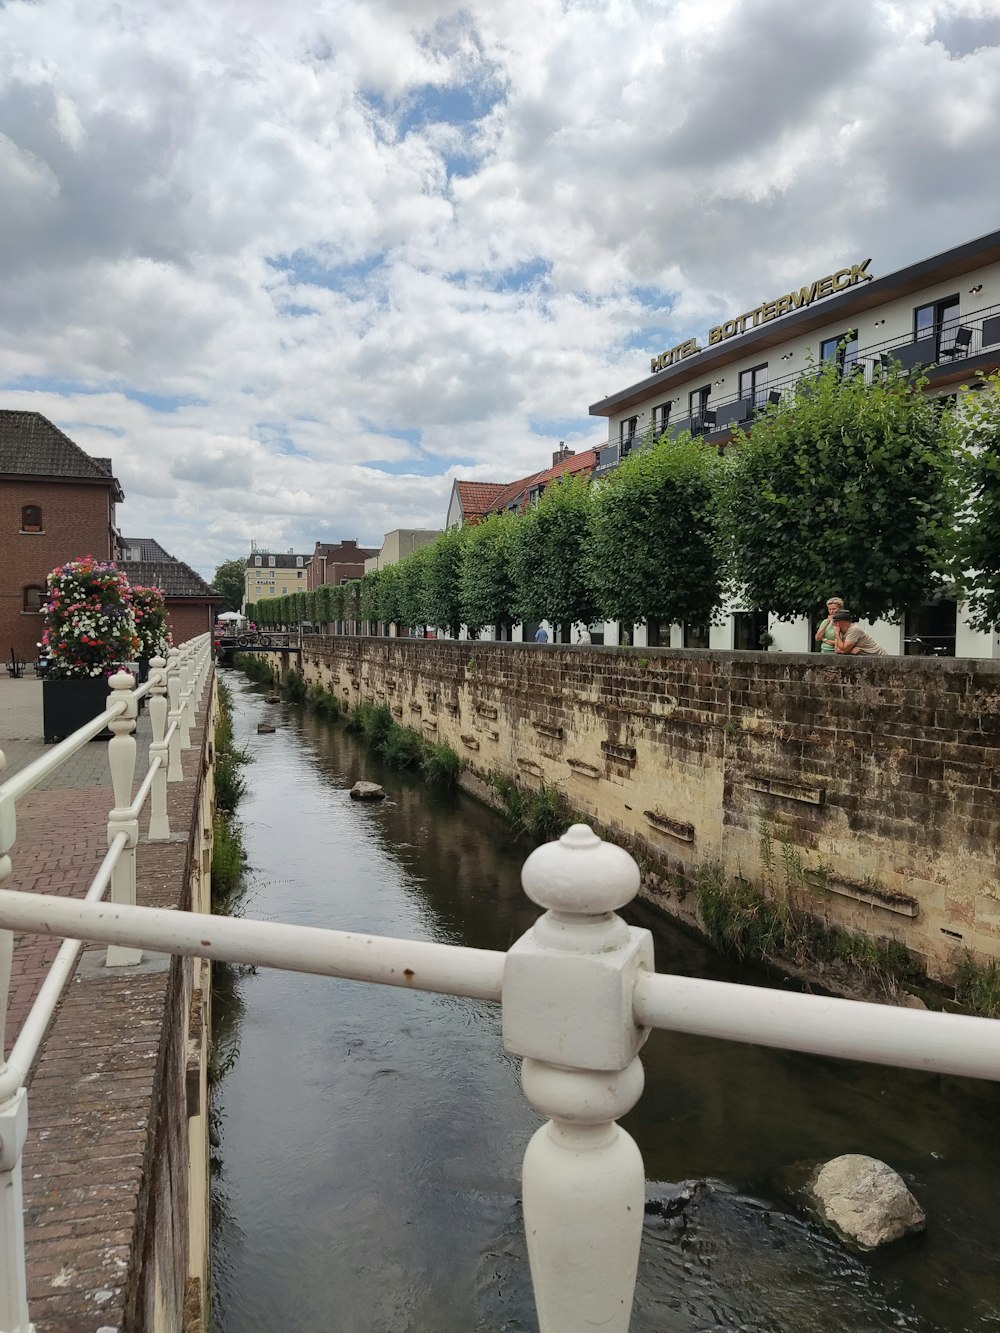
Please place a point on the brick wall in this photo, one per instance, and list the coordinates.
(76, 522)
(188, 619)
(881, 775)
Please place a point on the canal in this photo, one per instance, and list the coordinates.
(369, 1139)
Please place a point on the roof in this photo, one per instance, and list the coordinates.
(288, 560)
(348, 551)
(30, 446)
(515, 493)
(476, 497)
(144, 548)
(914, 278)
(174, 577)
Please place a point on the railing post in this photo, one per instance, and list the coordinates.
(175, 773)
(159, 824)
(13, 1127)
(185, 700)
(567, 1009)
(121, 758)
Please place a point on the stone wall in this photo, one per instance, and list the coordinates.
(876, 782)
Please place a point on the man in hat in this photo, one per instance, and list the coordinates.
(852, 639)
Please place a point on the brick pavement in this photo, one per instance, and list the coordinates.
(91, 1164)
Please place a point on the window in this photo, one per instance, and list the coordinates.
(930, 630)
(301, 574)
(661, 416)
(843, 350)
(257, 561)
(32, 598)
(298, 562)
(31, 518)
(939, 321)
(698, 401)
(753, 384)
(626, 434)
(695, 636)
(270, 562)
(749, 628)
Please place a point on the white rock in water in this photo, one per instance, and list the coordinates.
(367, 791)
(866, 1201)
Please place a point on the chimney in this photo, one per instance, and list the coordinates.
(562, 453)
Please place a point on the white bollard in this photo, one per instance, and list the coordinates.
(186, 690)
(121, 758)
(159, 824)
(567, 1009)
(175, 773)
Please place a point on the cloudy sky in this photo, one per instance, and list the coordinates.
(296, 266)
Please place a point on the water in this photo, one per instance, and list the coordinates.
(371, 1138)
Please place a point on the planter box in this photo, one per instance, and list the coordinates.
(69, 704)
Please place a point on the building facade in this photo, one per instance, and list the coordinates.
(337, 562)
(940, 316)
(398, 544)
(270, 574)
(472, 501)
(57, 504)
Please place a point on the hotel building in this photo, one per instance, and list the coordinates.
(941, 316)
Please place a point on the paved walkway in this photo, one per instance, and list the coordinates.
(61, 827)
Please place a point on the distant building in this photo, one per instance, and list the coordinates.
(337, 562)
(269, 574)
(57, 503)
(192, 604)
(400, 543)
(472, 501)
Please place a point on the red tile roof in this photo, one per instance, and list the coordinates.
(477, 497)
(480, 498)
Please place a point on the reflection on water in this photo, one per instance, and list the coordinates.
(371, 1138)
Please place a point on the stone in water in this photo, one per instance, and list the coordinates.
(367, 791)
(264, 729)
(866, 1201)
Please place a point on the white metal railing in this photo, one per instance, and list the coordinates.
(579, 999)
(173, 690)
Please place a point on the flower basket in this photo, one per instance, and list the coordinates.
(90, 633)
(150, 613)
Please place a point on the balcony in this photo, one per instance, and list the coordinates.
(939, 354)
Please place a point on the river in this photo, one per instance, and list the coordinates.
(370, 1138)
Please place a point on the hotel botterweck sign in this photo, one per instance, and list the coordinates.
(768, 310)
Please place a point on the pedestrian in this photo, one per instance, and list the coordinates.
(584, 635)
(827, 632)
(541, 634)
(852, 639)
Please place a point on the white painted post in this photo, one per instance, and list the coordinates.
(159, 824)
(185, 708)
(175, 773)
(567, 1009)
(13, 1127)
(121, 758)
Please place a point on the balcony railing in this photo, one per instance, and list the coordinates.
(955, 342)
(579, 997)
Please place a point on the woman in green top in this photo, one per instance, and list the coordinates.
(826, 635)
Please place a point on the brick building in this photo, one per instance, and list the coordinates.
(56, 504)
(337, 562)
(472, 501)
(192, 604)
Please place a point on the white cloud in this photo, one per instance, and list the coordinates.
(324, 228)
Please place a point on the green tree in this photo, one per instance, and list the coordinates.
(485, 584)
(413, 589)
(371, 595)
(549, 556)
(977, 426)
(654, 549)
(442, 580)
(229, 582)
(389, 597)
(846, 490)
